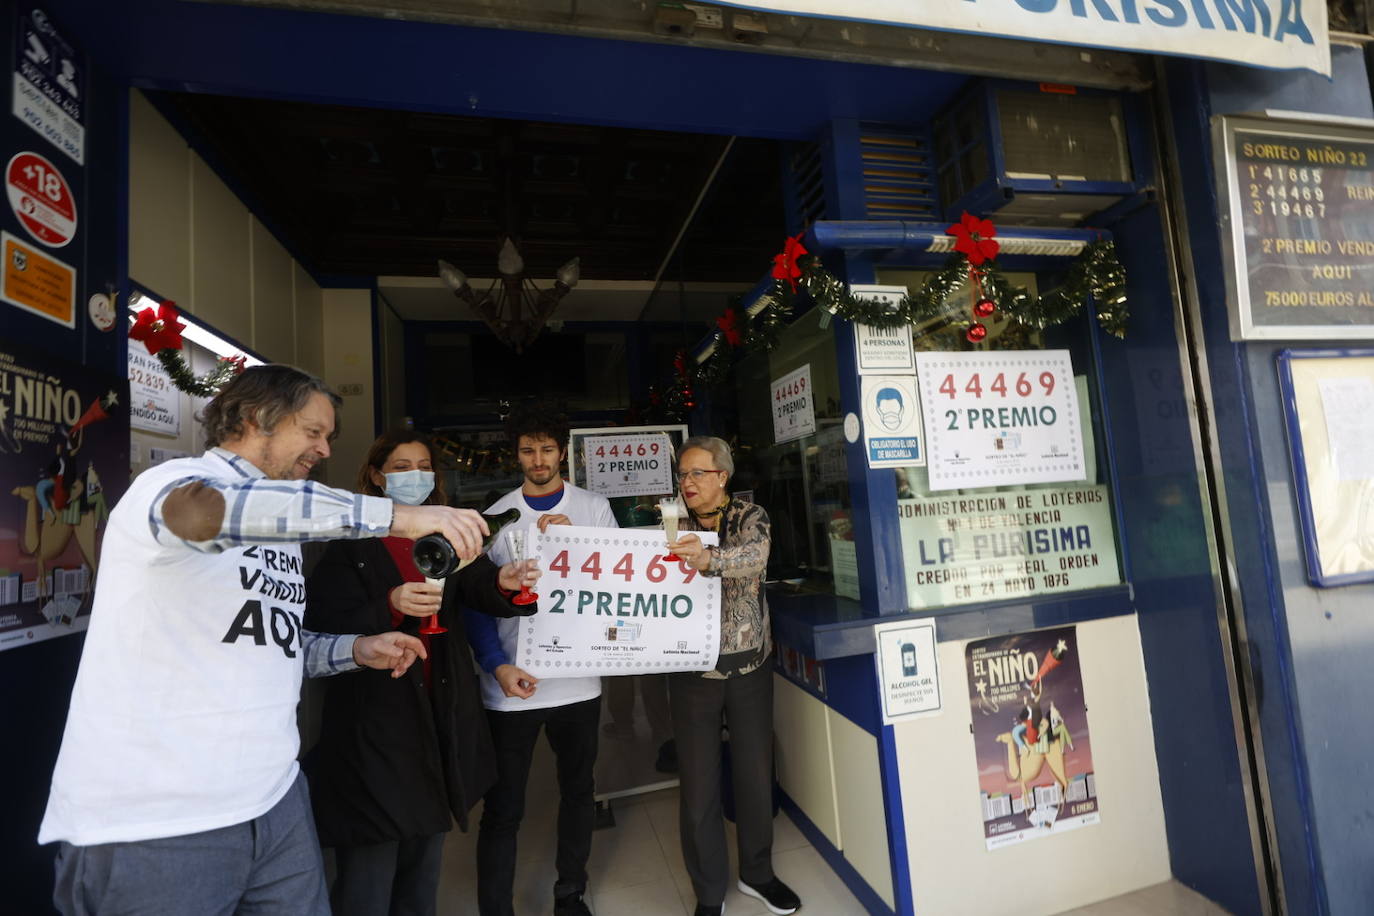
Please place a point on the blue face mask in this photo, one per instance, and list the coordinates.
(409, 488)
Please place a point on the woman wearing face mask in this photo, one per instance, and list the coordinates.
(397, 757)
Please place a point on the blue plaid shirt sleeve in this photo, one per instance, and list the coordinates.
(262, 511)
(328, 653)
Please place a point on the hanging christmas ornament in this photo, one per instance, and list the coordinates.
(973, 238)
(984, 308)
(976, 332)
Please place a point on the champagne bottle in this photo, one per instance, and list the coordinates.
(435, 557)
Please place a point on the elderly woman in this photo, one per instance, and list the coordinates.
(740, 687)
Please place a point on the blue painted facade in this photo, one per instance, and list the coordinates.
(1306, 646)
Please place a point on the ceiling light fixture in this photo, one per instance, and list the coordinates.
(513, 307)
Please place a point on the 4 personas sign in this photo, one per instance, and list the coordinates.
(993, 546)
(611, 603)
(1030, 735)
(64, 459)
(1276, 34)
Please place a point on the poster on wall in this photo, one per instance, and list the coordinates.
(999, 418)
(794, 411)
(995, 546)
(611, 603)
(637, 464)
(49, 82)
(1030, 736)
(64, 440)
(154, 405)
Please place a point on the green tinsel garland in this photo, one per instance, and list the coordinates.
(203, 386)
(1096, 272)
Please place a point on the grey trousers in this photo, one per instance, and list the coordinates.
(267, 866)
(747, 704)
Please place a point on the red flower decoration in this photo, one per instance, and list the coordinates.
(159, 330)
(729, 327)
(785, 265)
(973, 237)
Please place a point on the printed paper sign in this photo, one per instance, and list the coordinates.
(154, 405)
(794, 411)
(892, 421)
(631, 465)
(48, 83)
(609, 604)
(994, 546)
(41, 199)
(1005, 417)
(908, 670)
(37, 283)
(1030, 736)
(883, 351)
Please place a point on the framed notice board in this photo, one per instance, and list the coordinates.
(1297, 200)
(1328, 403)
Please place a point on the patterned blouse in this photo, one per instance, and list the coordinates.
(745, 633)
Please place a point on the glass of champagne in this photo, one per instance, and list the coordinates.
(519, 552)
(431, 624)
(670, 508)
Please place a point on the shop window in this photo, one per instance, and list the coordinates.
(1010, 542)
(803, 484)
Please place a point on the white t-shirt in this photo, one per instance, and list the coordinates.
(582, 507)
(183, 717)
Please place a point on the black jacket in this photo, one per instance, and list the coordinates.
(395, 758)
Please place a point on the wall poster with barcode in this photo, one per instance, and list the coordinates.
(1030, 734)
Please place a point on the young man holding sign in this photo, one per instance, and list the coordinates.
(519, 704)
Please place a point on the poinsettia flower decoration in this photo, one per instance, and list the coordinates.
(974, 238)
(785, 266)
(729, 327)
(158, 328)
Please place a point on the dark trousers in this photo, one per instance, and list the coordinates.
(400, 878)
(269, 865)
(571, 731)
(747, 704)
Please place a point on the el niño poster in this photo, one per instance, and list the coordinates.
(64, 460)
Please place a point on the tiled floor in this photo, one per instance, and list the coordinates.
(636, 866)
(636, 870)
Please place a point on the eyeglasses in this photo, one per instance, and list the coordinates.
(696, 474)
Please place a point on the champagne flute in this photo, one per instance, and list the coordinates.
(519, 552)
(431, 624)
(670, 508)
